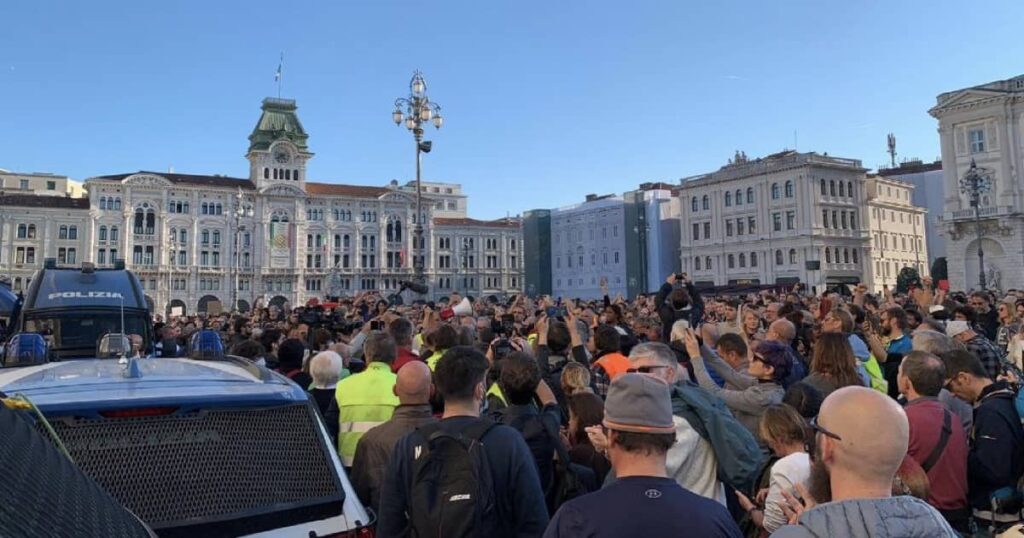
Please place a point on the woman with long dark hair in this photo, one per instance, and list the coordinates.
(586, 409)
(833, 366)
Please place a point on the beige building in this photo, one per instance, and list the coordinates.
(898, 231)
(39, 183)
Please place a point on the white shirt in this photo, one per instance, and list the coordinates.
(788, 471)
(691, 462)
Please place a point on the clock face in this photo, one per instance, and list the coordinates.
(281, 156)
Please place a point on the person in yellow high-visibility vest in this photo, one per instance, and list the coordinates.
(366, 399)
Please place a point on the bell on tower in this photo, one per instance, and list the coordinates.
(277, 146)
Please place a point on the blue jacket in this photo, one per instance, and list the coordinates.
(892, 517)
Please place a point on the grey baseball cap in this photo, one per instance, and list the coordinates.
(639, 403)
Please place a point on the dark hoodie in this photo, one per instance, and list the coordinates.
(669, 313)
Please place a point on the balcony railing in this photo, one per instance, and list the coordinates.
(985, 212)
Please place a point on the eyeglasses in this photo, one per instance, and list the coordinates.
(759, 358)
(811, 444)
(644, 369)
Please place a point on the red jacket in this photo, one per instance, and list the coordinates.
(403, 356)
(948, 477)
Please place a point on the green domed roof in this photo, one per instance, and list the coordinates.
(278, 121)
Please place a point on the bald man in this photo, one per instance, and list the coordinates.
(783, 331)
(413, 387)
(860, 438)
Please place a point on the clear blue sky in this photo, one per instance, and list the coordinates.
(545, 101)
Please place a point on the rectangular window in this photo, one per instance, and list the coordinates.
(728, 228)
(977, 140)
(739, 226)
(24, 184)
(19, 256)
(707, 230)
(696, 231)
(790, 220)
(51, 185)
(101, 257)
(776, 222)
(72, 256)
(751, 226)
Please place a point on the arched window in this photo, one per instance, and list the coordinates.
(295, 174)
(706, 202)
(837, 255)
(824, 191)
(792, 256)
(103, 202)
(150, 222)
(846, 252)
(728, 198)
(731, 261)
(750, 195)
(739, 197)
(31, 231)
(266, 173)
(775, 191)
(696, 263)
(789, 189)
(103, 233)
(743, 260)
(398, 230)
(117, 204)
(62, 232)
(287, 174)
(114, 233)
(753, 259)
(140, 220)
(275, 173)
(346, 241)
(204, 209)
(390, 232)
(856, 256)
(183, 236)
(206, 237)
(216, 237)
(693, 204)
(22, 231)
(778, 257)
(832, 188)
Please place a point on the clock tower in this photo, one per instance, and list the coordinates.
(277, 146)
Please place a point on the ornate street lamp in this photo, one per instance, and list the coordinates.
(243, 209)
(976, 182)
(414, 111)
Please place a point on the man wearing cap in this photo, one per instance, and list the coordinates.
(981, 347)
(643, 501)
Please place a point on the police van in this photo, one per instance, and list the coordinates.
(74, 307)
(207, 445)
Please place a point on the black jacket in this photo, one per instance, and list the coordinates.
(996, 457)
(694, 312)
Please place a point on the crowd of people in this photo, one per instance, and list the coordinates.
(791, 414)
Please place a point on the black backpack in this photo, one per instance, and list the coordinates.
(452, 492)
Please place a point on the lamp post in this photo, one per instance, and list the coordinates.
(170, 275)
(976, 182)
(242, 209)
(414, 111)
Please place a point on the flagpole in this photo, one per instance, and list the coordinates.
(279, 76)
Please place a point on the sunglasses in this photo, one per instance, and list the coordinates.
(811, 444)
(643, 369)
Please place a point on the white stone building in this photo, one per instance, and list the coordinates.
(783, 219)
(191, 238)
(588, 242)
(898, 230)
(984, 124)
(34, 227)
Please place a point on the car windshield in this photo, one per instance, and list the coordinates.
(74, 335)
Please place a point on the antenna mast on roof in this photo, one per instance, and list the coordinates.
(891, 142)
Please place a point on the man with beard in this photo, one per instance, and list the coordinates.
(852, 470)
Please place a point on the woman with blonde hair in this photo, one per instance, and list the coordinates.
(575, 379)
(785, 432)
